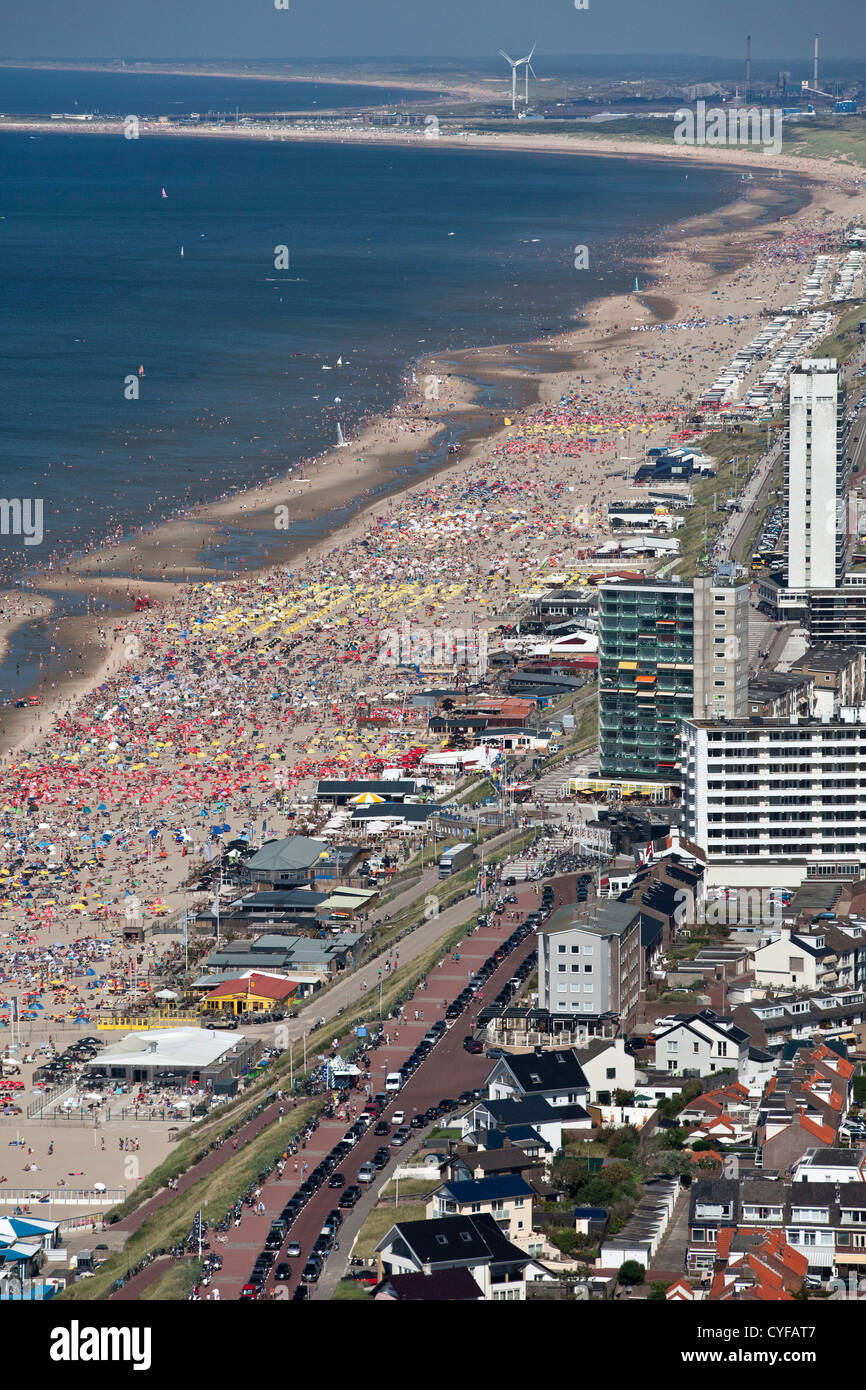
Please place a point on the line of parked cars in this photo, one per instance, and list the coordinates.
(330, 1170)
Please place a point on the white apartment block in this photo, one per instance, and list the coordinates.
(816, 477)
(769, 803)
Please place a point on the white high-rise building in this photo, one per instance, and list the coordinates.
(771, 802)
(816, 476)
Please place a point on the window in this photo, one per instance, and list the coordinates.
(698, 1234)
(587, 950)
(672, 1046)
(610, 1074)
(465, 1237)
(587, 970)
(560, 969)
(587, 987)
(441, 1240)
(561, 950)
(474, 1208)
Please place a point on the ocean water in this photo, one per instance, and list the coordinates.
(393, 253)
(40, 91)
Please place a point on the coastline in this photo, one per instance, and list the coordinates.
(745, 158)
(168, 69)
(162, 558)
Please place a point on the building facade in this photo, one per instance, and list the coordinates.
(667, 650)
(816, 476)
(768, 803)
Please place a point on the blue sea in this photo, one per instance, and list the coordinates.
(392, 252)
(40, 91)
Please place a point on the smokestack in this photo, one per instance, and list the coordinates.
(748, 67)
(815, 66)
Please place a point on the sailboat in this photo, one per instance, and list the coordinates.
(164, 194)
(636, 285)
(339, 361)
(341, 443)
(181, 253)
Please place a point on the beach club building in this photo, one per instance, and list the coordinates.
(251, 993)
(181, 1056)
(282, 864)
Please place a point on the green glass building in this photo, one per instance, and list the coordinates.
(646, 677)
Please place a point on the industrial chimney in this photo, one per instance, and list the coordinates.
(748, 67)
(815, 66)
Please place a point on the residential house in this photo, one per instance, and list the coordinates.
(830, 1015)
(796, 960)
(475, 1243)
(444, 1286)
(508, 1199)
(825, 1221)
(732, 1101)
(700, 1044)
(607, 1068)
(831, 1165)
(756, 1267)
(783, 1139)
(534, 1124)
(464, 1163)
(554, 1076)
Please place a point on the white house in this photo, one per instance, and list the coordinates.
(831, 1165)
(701, 1044)
(607, 1066)
(475, 1243)
(554, 1076)
(796, 960)
(528, 1123)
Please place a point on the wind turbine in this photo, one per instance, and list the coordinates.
(515, 64)
(529, 69)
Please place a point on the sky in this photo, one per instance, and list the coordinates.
(351, 29)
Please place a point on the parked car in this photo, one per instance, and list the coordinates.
(283, 1272)
(293, 1249)
(366, 1172)
(312, 1270)
(397, 1118)
(349, 1197)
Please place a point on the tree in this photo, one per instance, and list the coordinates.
(623, 1142)
(631, 1273)
(658, 1291)
(673, 1138)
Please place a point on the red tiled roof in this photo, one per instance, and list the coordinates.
(823, 1132)
(265, 986)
